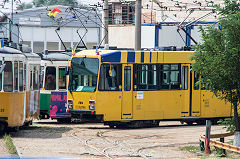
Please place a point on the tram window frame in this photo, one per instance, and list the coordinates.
(64, 79)
(185, 70)
(167, 73)
(146, 76)
(35, 78)
(31, 77)
(16, 78)
(105, 81)
(41, 76)
(47, 76)
(8, 77)
(1, 81)
(25, 77)
(127, 78)
(21, 76)
(196, 81)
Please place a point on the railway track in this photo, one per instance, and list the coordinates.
(86, 143)
(115, 144)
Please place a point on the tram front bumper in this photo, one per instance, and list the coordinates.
(82, 114)
(90, 112)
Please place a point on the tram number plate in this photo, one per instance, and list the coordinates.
(1, 110)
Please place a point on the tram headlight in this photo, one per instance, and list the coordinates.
(91, 104)
(70, 104)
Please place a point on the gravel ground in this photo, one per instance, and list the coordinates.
(3, 150)
(46, 138)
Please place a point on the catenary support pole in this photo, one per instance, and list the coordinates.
(207, 137)
(105, 22)
(138, 8)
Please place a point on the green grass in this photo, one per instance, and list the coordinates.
(215, 153)
(191, 148)
(9, 144)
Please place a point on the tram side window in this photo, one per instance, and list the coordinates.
(31, 79)
(50, 80)
(196, 83)
(20, 76)
(110, 77)
(0, 77)
(8, 77)
(41, 75)
(62, 78)
(170, 78)
(145, 77)
(127, 78)
(184, 77)
(35, 78)
(16, 76)
(25, 76)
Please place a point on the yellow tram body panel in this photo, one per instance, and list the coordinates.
(185, 102)
(12, 108)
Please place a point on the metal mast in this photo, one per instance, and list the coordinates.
(105, 22)
(138, 8)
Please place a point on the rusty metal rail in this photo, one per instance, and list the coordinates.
(221, 144)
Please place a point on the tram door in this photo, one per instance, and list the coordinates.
(196, 96)
(127, 93)
(185, 90)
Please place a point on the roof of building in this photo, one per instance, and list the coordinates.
(71, 17)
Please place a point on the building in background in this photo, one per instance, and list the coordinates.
(160, 22)
(35, 28)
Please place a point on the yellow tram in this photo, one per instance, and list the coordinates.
(19, 87)
(139, 88)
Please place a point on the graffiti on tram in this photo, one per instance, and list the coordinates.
(58, 105)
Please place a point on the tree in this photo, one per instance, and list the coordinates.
(217, 59)
(42, 3)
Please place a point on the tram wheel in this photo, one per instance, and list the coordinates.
(155, 123)
(111, 126)
(189, 123)
(60, 120)
(200, 122)
(2, 127)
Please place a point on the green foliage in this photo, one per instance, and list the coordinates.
(217, 58)
(190, 148)
(228, 123)
(9, 143)
(42, 3)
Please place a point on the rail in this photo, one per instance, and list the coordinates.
(221, 144)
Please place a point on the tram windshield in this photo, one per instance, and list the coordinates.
(83, 74)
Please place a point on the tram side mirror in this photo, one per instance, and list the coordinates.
(2, 68)
(67, 70)
(110, 73)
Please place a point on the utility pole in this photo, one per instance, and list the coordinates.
(11, 25)
(105, 22)
(138, 9)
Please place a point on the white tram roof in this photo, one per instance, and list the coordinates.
(57, 56)
(9, 50)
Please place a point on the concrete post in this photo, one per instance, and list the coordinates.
(105, 22)
(138, 13)
(207, 137)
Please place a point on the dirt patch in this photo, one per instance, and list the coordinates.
(3, 150)
(47, 138)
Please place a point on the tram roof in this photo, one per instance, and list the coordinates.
(32, 55)
(61, 56)
(131, 56)
(9, 50)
